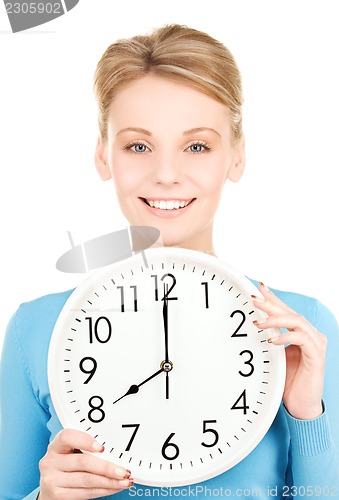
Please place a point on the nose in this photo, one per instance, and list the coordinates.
(167, 170)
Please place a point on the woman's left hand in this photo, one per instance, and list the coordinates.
(305, 355)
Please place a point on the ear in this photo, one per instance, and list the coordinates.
(100, 159)
(238, 165)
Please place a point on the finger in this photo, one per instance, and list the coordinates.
(69, 439)
(269, 302)
(266, 305)
(92, 481)
(318, 344)
(313, 350)
(300, 339)
(91, 464)
(292, 322)
(268, 294)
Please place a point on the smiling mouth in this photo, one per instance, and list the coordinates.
(168, 204)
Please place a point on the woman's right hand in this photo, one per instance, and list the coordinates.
(66, 473)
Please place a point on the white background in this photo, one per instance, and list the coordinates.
(278, 225)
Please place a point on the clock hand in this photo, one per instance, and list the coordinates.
(166, 363)
(135, 388)
(165, 317)
(167, 385)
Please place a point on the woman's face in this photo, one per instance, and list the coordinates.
(169, 151)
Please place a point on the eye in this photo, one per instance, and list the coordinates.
(137, 147)
(199, 147)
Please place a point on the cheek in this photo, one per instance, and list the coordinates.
(212, 180)
(125, 179)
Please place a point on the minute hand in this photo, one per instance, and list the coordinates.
(167, 363)
(165, 316)
(135, 388)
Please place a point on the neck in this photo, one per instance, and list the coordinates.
(201, 242)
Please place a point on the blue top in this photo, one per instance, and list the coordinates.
(296, 458)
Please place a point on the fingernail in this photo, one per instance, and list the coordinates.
(257, 299)
(272, 340)
(121, 472)
(259, 322)
(97, 446)
(126, 482)
(263, 285)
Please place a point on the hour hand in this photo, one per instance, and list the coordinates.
(135, 388)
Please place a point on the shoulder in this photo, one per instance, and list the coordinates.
(32, 324)
(27, 339)
(42, 311)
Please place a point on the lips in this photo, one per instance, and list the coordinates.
(174, 204)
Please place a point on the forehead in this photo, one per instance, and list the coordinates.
(157, 102)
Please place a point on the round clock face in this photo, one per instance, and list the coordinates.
(157, 357)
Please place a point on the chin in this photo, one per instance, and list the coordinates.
(173, 234)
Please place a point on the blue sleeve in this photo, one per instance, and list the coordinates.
(314, 444)
(23, 431)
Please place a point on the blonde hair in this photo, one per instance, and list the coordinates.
(173, 51)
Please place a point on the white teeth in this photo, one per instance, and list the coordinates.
(167, 205)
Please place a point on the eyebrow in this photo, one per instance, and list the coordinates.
(147, 132)
(134, 129)
(201, 129)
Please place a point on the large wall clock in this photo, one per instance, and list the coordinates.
(157, 357)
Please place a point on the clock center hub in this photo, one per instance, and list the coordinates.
(166, 365)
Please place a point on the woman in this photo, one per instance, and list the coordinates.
(170, 137)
